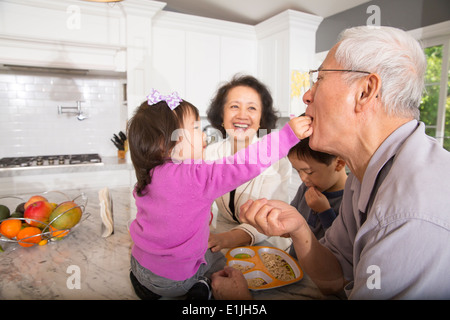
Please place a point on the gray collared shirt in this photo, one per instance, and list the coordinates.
(392, 236)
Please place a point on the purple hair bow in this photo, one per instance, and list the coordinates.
(172, 100)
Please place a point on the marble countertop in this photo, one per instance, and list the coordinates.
(86, 266)
(99, 265)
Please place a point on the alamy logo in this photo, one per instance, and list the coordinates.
(374, 20)
(73, 21)
(74, 280)
(374, 280)
(267, 148)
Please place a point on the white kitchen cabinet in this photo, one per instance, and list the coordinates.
(273, 69)
(64, 34)
(168, 71)
(194, 55)
(286, 44)
(237, 56)
(186, 62)
(202, 68)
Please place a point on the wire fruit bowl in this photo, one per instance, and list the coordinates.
(47, 231)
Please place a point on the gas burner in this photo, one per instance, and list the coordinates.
(51, 161)
(85, 158)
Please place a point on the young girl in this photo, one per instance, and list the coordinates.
(175, 190)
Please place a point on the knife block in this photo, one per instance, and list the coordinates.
(121, 153)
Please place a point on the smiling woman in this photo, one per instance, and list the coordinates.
(242, 110)
(257, 100)
(242, 115)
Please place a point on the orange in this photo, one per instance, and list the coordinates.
(58, 233)
(10, 228)
(29, 236)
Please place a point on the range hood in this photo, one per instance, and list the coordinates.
(22, 68)
(60, 70)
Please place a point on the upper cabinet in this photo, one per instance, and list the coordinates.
(286, 52)
(194, 55)
(64, 34)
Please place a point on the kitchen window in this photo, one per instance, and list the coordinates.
(435, 105)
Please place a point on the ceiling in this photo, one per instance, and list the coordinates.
(255, 11)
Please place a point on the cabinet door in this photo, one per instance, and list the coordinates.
(169, 60)
(237, 56)
(273, 64)
(202, 68)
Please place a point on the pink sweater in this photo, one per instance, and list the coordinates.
(171, 229)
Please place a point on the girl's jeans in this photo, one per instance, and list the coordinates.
(171, 288)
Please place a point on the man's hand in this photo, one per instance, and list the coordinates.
(230, 284)
(271, 217)
(276, 218)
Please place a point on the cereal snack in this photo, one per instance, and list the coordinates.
(264, 267)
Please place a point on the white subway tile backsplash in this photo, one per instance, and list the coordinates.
(15, 86)
(30, 123)
(24, 79)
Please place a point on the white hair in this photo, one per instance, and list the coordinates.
(395, 56)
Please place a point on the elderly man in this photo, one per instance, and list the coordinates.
(391, 239)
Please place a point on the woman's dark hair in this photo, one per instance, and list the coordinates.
(150, 138)
(269, 116)
(302, 150)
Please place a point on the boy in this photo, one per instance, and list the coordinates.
(319, 196)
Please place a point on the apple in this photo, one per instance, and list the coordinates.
(72, 215)
(39, 210)
(34, 199)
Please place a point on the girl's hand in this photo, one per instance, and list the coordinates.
(229, 239)
(316, 200)
(301, 126)
(216, 242)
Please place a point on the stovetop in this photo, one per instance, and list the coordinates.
(51, 161)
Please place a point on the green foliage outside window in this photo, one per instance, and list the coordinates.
(430, 99)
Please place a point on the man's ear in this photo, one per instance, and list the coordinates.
(340, 164)
(369, 91)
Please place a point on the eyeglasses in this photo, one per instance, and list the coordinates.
(313, 74)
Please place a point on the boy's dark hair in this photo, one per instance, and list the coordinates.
(302, 150)
(269, 117)
(150, 139)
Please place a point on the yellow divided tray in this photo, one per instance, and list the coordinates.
(250, 260)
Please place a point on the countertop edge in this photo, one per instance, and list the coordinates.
(108, 164)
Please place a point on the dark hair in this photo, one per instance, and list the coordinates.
(150, 139)
(302, 150)
(269, 117)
